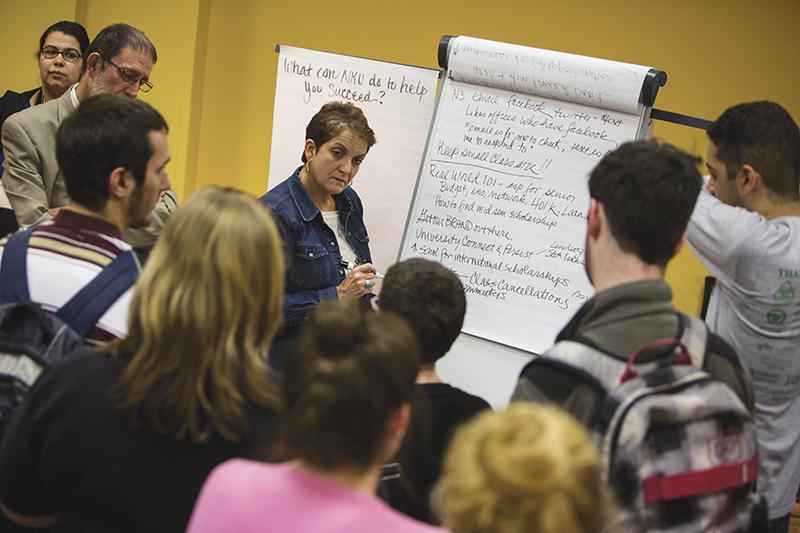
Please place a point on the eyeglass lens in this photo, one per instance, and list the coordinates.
(131, 77)
(69, 54)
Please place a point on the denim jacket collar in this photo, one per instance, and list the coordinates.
(302, 200)
(305, 204)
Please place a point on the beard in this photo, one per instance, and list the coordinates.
(99, 87)
(138, 213)
(104, 84)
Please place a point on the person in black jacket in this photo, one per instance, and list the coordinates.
(60, 59)
(430, 297)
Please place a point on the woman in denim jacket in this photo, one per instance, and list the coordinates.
(321, 220)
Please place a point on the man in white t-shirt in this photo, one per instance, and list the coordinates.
(746, 230)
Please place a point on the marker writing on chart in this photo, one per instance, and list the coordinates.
(349, 265)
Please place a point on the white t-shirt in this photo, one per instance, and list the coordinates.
(756, 308)
(331, 219)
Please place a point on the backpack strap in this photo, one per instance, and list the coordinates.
(604, 368)
(608, 370)
(85, 308)
(694, 338)
(14, 268)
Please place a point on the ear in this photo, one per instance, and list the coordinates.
(594, 220)
(310, 149)
(92, 61)
(750, 180)
(681, 242)
(398, 421)
(396, 428)
(710, 185)
(120, 184)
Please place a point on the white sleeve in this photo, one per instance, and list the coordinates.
(716, 231)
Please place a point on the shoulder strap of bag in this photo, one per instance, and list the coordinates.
(85, 308)
(602, 367)
(14, 269)
(694, 338)
(607, 370)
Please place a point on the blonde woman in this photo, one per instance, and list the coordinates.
(528, 468)
(122, 441)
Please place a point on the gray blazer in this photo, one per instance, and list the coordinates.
(33, 181)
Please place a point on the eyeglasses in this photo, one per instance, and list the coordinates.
(129, 76)
(69, 54)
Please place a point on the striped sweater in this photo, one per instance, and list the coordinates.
(67, 253)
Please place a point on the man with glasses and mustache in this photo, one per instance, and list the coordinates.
(118, 61)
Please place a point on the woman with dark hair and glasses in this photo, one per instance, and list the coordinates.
(60, 54)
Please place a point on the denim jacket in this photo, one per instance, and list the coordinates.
(310, 248)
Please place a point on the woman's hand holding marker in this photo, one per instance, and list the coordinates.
(359, 281)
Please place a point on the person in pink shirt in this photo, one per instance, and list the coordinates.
(345, 392)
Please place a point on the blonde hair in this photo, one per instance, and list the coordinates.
(201, 320)
(528, 468)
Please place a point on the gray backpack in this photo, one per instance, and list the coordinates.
(679, 446)
(31, 338)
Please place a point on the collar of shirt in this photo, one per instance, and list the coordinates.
(73, 95)
(80, 222)
(306, 206)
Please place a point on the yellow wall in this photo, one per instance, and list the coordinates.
(215, 78)
(21, 24)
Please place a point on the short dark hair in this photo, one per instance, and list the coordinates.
(334, 118)
(431, 298)
(347, 372)
(764, 136)
(648, 191)
(112, 39)
(105, 132)
(67, 27)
